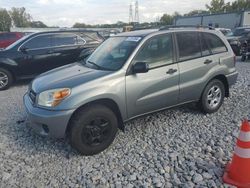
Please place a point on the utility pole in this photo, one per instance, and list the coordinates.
(131, 19)
(137, 20)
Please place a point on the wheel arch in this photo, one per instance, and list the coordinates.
(8, 68)
(106, 102)
(224, 80)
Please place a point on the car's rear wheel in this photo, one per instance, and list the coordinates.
(6, 79)
(93, 129)
(212, 97)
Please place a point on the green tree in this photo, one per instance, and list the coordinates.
(81, 25)
(166, 19)
(5, 20)
(240, 5)
(196, 12)
(37, 24)
(216, 6)
(20, 17)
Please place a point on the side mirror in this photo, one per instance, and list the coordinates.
(140, 67)
(23, 49)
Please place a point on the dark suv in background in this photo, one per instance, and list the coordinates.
(40, 52)
(237, 38)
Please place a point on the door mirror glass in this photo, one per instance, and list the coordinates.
(23, 49)
(140, 67)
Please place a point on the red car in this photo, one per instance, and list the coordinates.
(7, 39)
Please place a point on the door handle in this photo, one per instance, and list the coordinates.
(171, 71)
(208, 61)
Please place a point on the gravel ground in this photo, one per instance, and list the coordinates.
(180, 147)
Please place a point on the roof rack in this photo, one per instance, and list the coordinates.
(185, 26)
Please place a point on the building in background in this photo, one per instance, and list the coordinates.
(224, 20)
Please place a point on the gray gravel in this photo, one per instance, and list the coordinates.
(175, 148)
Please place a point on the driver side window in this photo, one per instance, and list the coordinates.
(39, 42)
(157, 51)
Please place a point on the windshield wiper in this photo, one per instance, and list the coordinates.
(98, 66)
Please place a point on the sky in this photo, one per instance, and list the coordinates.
(65, 13)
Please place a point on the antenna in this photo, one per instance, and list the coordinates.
(131, 19)
(137, 12)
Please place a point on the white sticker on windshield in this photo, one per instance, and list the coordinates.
(133, 39)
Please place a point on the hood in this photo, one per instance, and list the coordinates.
(67, 76)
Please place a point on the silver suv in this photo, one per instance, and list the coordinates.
(129, 75)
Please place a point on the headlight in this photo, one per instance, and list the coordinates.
(53, 97)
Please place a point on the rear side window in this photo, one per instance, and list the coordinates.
(189, 45)
(215, 44)
(67, 40)
(43, 41)
(157, 51)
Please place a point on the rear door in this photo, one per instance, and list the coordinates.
(198, 53)
(67, 48)
(159, 87)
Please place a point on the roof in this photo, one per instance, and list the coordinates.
(139, 33)
(66, 31)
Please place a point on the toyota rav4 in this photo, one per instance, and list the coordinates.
(129, 75)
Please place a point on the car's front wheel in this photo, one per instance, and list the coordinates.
(93, 129)
(212, 97)
(6, 79)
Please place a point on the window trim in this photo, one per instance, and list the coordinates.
(129, 70)
(51, 46)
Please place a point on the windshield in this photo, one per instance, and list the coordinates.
(113, 53)
(240, 32)
(229, 34)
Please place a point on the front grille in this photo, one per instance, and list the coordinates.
(32, 96)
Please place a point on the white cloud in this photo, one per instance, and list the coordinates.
(67, 12)
(46, 2)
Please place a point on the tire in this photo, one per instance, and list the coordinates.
(212, 97)
(93, 129)
(6, 79)
(243, 58)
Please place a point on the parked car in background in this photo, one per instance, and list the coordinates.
(129, 75)
(245, 49)
(237, 38)
(39, 52)
(239, 31)
(7, 39)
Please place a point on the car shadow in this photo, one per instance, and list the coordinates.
(25, 82)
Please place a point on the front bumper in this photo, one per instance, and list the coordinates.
(232, 78)
(47, 122)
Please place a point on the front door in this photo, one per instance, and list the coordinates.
(159, 87)
(37, 55)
